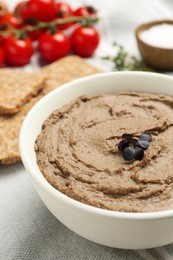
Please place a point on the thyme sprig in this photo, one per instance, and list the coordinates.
(124, 61)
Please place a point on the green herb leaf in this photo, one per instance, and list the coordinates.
(124, 61)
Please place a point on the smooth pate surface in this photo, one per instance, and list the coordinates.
(77, 151)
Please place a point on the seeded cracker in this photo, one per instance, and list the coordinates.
(9, 133)
(58, 73)
(65, 70)
(17, 88)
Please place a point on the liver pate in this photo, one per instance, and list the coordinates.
(77, 151)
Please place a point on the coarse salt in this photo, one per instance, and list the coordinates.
(159, 36)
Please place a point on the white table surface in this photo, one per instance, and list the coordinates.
(27, 229)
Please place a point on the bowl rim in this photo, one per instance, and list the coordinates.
(145, 26)
(137, 216)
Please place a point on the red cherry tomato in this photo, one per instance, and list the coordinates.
(33, 35)
(85, 11)
(7, 32)
(3, 38)
(3, 9)
(22, 11)
(85, 40)
(2, 57)
(53, 46)
(63, 11)
(43, 10)
(10, 20)
(18, 51)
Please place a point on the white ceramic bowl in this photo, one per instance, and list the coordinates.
(115, 229)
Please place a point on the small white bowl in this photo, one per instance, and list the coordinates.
(114, 229)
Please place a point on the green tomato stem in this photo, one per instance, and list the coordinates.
(44, 25)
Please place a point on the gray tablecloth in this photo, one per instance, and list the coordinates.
(27, 229)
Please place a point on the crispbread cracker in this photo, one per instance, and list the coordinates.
(65, 70)
(16, 88)
(57, 73)
(9, 133)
